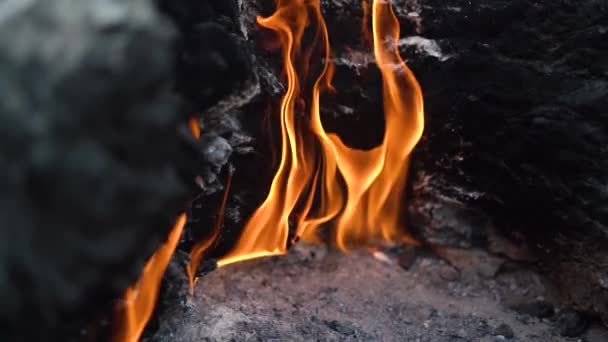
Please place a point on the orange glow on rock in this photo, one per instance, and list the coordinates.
(321, 182)
(139, 300)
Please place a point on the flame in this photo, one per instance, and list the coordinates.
(367, 36)
(195, 127)
(199, 249)
(140, 299)
(267, 230)
(357, 193)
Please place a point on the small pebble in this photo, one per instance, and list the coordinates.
(342, 328)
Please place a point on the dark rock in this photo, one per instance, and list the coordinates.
(209, 52)
(596, 333)
(571, 323)
(504, 330)
(343, 328)
(527, 158)
(407, 257)
(483, 328)
(539, 308)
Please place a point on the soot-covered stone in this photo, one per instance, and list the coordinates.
(517, 127)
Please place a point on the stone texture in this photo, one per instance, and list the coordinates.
(296, 298)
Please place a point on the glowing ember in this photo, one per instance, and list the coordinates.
(140, 299)
(357, 193)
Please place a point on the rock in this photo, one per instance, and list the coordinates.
(407, 257)
(538, 308)
(461, 334)
(477, 261)
(504, 330)
(571, 323)
(499, 244)
(521, 151)
(449, 273)
(88, 148)
(596, 333)
(343, 328)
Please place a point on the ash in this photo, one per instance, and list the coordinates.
(315, 294)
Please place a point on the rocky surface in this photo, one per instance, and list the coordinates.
(511, 161)
(313, 294)
(513, 155)
(214, 76)
(507, 187)
(508, 179)
(517, 132)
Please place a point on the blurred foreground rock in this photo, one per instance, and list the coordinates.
(88, 143)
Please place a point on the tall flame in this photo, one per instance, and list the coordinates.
(140, 299)
(358, 193)
(267, 230)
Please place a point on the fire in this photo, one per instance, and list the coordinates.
(321, 182)
(140, 299)
(195, 127)
(367, 36)
(199, 249)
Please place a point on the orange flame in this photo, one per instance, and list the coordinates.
(199, 249)
(367, 36)
(195, 127)
(140, 299)
(358, 193)
(267, 230)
